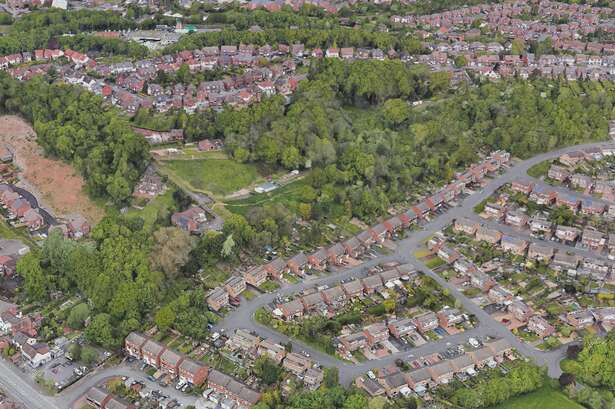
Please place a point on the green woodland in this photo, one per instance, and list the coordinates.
(354, 126)
(74, 125)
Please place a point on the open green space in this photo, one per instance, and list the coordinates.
(539, 169)
(544, 398)
(216, 176)
(153, 209)
(288, 196)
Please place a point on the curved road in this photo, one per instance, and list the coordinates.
(243, 317)
(19, 388)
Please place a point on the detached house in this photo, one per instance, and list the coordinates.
(580, 319)
(520, 310)
(488, 235)
(296, 363)
(558, 173)
(516, 218)
(542, 195)
(234, 286)
(540, 224)
(353, 342)
(291, 309)
(522, 186)
(192, 220)
(376, 333)
(540, 252)
(426, 322)
(401, 327)
(514, 245)
(566, 233)
(276, 267)
(540, 327)
(466, 226)
(448, 317)
(581, 181)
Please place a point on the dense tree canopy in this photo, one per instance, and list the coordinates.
(74, 125)
(35, 29)
(312, 38)
(114, 274)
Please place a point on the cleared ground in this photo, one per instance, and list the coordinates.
(54, 182)
(544, 398)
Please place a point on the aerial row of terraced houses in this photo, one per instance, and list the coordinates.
(187, 370)
(339, 253)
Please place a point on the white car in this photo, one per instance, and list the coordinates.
(474, 342)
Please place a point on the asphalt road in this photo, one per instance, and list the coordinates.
(243, 316)
(19, 388)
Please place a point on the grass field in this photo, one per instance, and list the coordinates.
(285, 195)
(544, 398)
(216, 176)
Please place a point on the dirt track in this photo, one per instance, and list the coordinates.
(56, 184)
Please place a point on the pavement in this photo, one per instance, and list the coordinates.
(20, 389)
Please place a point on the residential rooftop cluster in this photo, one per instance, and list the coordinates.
(298, 364)
(455, 34)
(431, 371)
(520, 313)
(339, 254)
(131, 85)
(536, 250)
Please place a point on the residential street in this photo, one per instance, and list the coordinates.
(243, 317)
(18, 387)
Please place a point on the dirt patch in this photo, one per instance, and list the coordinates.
(56, 184)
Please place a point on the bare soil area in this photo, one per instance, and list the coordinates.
(55, 183)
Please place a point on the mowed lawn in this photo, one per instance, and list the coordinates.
(218, 176)
(544, 398)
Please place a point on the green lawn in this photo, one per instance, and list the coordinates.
(216, 176)
(539, 169)
(286, 195)
(544, 398)
(150, 211)
(434, 263)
